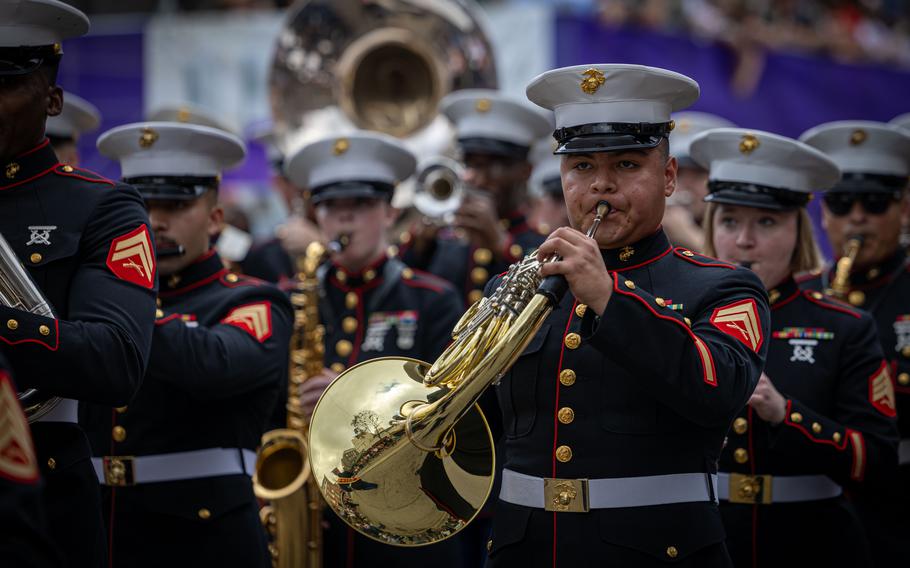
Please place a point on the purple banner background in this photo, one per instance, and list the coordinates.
(794, 93)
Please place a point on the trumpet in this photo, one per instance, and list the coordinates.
(840, 286)
(439, 188)
(398, 447)
(17, 290)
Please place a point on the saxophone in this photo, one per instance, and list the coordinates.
(293, 515)
(840, 286)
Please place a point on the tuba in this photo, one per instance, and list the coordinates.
(398, 447)
(17, 290)
(293, 516)
(840, 286)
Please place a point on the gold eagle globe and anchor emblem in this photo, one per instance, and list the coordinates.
(592, 81)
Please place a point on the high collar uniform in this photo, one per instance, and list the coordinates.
(839, 430)
(647, 388)
(387, 309)
(884, 291)
(85, 242)
(218, 365)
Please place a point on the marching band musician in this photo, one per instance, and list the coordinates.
(615, 413)
(85, 242)
(176, 462)
(373, 305)
(822, 417)
(495, 135)
(64, 130)
(872, 201)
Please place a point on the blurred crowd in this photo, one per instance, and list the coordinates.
(850, 31)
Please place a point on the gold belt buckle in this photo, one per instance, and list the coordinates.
(750, 489)
(566, 495)
(118, 471)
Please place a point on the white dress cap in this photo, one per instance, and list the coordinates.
(190, 114)
(740, 156)
(31, 23)
(366, 157)
(171, 149)
(78, 116)
(860, 146)
(901, 121)
(689, 124)
(488, 114)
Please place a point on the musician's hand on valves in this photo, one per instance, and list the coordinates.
(581, 264)
(478, 218)
(297, 234)
(312, 389)
(768, 403)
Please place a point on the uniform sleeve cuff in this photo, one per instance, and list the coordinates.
(18, 327)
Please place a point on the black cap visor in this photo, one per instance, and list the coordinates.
(492, 147)
(172, 188)
(352, 190)
(610, 137)
(854, 182)
(17, 61)
(754, 195)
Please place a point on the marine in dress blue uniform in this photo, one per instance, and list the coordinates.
(176, 462)
(64, 130)
(85, 241)
(495, 135)
(615, 413)
(829, 424)
(872, 200)
(372, 305)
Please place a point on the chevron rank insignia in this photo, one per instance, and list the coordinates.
(255, 319)
(17, 455)
(881, 391)
(131, 258)
(740, 320)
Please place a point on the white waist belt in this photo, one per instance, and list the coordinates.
(67, 410)
(777, 489)
(608, 493)
(212, 462)
(903, 452)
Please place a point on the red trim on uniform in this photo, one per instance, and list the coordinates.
(38, 341)
(125, 250)
(562, 351)
(358, 337)
(34, 177)
(802, 429)
(167, 319)
(360, 289)
(736, 331)
(836, 308)
(194, 285)
(719, 264)
(33, 150)
(858, 467)
(710, 378)
(787, 300)
(640, 264)
(204, 256)
(73, 174)
(242, 325)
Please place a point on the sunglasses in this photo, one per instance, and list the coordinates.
(874, 203)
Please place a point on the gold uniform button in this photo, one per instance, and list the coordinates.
(118, 433)
(35, 258)
(856, 298)
(474, 296)
(369, 275)
(567, 377)
(816, 427)
(817, 295)
(629, 284)
(392, 251)
(741, 455)
(740, 425)
(906, 351)
(479, 275)
(12, 324)
(688, 253)
(773, 296)
(349, 324)
(44, 330)
(672, 552)
(660, 302)
(404, 238)
(159, 313)
(873, 274)
(341, 276)
(337, 367)
(121, 409)
(51, 463)
(344, 348)
(483, 256)
(564, 454)
(796, 417)
(407, 274)
(516, 251)
(351, 300)
(232, 277)
(566, 415)
(68, 169)
(836, 437)
(204, 514)
(904, 379)
(573, 340)
(580, 310)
